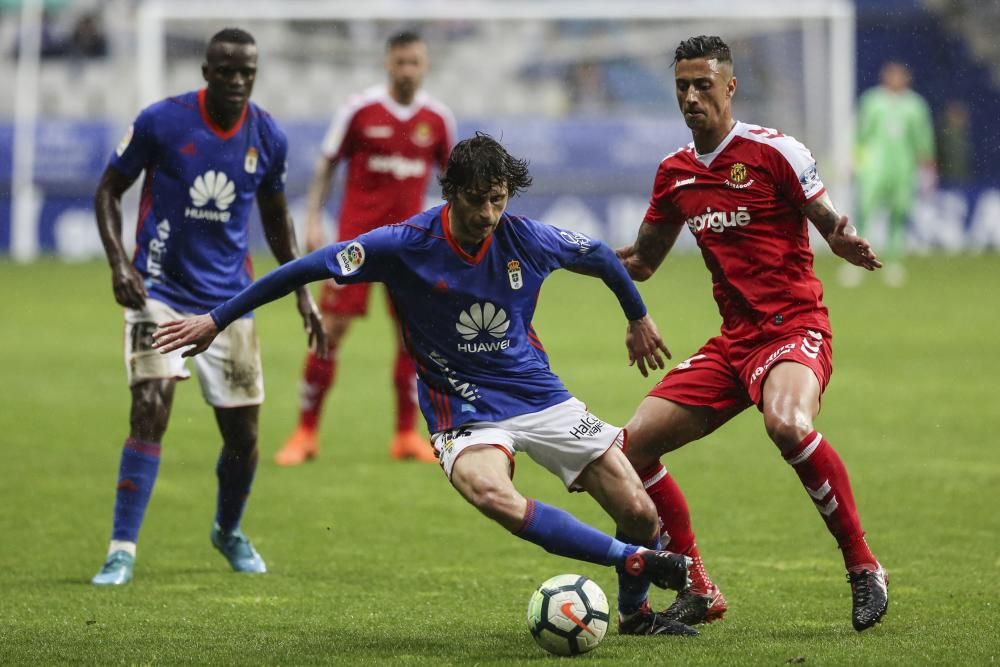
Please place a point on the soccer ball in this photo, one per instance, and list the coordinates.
(568, 614)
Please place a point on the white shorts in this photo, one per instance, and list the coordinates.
(229, 370)
(564, 438)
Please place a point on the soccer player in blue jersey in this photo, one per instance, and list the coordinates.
(464, 279)
(207, 155)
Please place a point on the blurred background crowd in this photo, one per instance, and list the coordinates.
(589, 102)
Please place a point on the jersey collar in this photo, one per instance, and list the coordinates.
(401, 112)
(707, 158)
(456, 247)
(218, 131)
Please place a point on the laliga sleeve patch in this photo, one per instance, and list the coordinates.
(126, 140)
(351, 258)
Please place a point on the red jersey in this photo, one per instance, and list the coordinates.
(390, 150)
(743, 203)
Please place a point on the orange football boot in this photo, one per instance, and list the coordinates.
(411, 445)
(300, 447)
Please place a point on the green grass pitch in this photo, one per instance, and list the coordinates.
(376, 562)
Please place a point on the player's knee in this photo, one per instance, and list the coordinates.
(332, 345)
(493, 500)
(240, 439)
(637, 517)
(787, 430)
(241, 444)
(150, 411)
(336, 328)
(494, 503)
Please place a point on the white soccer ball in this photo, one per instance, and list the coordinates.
(568, 614)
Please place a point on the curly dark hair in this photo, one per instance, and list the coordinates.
(232, 36)
(480, 162)
(703, 46)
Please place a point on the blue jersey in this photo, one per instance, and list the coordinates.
(200, 184)
(466, 319)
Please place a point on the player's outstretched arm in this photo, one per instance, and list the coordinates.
(280, 233)
(642, 340)
(645, 345)
(653, 242)
(840, 234)
(126, 282)
(197, 331)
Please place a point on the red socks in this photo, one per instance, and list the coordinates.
(317, 379)
(676, 534)
(319, 375)
(822, 474)
(825, 479)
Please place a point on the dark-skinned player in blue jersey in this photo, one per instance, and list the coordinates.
(207, 156)
(464, 279)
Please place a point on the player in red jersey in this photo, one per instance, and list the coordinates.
(745, 192)
(390, 137)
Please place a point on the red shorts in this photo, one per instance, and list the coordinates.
(727, 375)
(350, 300)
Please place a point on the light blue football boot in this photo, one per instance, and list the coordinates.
(238, 550)
(117, 570)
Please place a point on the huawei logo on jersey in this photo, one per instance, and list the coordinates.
(212, 186)
(718, 221)
(479, 319)
(400, 167)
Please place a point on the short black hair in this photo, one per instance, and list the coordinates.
(402, 38)
(703, 46)
(480, 162)
(232, 36)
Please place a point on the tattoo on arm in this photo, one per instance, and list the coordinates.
(821, 213)
(653, 243)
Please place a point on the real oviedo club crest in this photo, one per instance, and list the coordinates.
(250, 161)
(514, 274)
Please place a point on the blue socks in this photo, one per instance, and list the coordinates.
(632, 591)
(235, 472)
(140, 463)
(560, 533)
(136, 476)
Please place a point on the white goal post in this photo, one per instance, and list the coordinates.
(827, 72)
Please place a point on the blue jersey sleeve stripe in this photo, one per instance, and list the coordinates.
(534, 339)
(438, 401)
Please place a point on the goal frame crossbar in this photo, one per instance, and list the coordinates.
(830, 20)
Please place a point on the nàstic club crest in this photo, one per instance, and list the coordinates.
(738, 172)
(738, 176)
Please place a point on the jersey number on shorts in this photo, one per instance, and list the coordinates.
(684, 365)
(142, 336)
